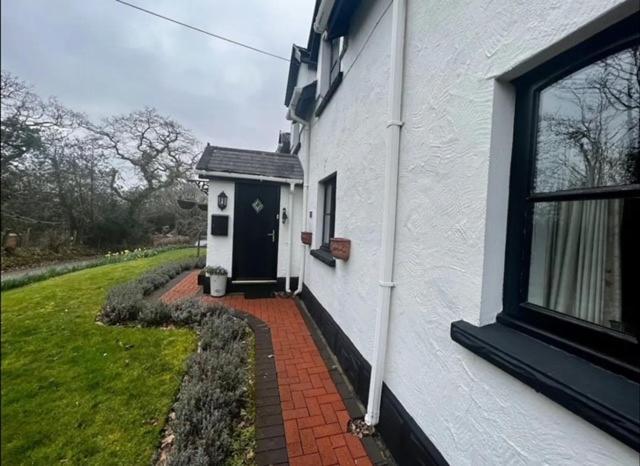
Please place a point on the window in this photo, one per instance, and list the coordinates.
(326, 220)
(335, 55)
(328, 210)
(573, 251)
(330, 72)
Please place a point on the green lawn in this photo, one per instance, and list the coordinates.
(75, 392)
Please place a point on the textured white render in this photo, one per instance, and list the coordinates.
(220, 248)
(283, 235)
(449, 258)
(348, 138)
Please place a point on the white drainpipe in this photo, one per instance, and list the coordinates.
(292, 188)
(305, 200)
(291, 115)
(389, 212)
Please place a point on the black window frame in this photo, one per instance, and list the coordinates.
(335, 64)
(605, 347)
(328, 183)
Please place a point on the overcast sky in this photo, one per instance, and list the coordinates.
(103, 58)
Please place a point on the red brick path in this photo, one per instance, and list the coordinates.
(315, 416)
(185, 288)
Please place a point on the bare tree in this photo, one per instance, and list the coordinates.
(152, 152)
(24, 116)
(590, 125)
(63, 176)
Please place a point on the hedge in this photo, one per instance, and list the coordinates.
(126, 303)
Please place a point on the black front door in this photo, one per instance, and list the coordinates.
(255, 231)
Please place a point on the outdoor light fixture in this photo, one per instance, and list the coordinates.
(284, 215)
(222, 201)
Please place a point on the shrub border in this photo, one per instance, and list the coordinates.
(268, 423)
(218, 309)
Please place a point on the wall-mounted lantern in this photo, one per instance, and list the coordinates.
(222, 201)
(284, 215)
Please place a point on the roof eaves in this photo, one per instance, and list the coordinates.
(292, 79)
(340, 18)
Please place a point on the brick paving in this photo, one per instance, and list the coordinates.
(314, 413)
(185, 288)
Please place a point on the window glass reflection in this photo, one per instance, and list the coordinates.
(589, 126)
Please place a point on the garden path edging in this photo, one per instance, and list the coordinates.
(271, 446)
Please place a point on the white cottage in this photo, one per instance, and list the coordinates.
(481, 160)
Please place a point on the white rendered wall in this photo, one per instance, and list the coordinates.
(283, 235)
(220, 248)
(455, 151)
(348, 138)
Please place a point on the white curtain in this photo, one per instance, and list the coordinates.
(575, 259)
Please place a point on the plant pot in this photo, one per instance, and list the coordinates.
(218, 285)
(340, 248)
(306, 237)
(206, 284)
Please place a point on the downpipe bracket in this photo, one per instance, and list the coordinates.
(387, 284)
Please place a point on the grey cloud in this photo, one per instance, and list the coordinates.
(103, 58)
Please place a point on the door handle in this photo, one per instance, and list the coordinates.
(273, 236)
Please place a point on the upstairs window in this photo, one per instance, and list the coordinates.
(334, 60)
(330, 71)
(573, 247)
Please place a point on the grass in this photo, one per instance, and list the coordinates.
(60, 269)
(74, 392)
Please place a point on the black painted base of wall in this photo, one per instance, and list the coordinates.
(402, 435)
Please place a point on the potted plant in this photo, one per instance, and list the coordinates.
(218, 279)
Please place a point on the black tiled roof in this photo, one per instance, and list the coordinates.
(250, 162)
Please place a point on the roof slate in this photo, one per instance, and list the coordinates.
(250, 162)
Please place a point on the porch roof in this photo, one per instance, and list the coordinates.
(229, 160)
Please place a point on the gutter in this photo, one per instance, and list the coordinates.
(322, 16)
(293, 103)
(242, 176)
(389, 212)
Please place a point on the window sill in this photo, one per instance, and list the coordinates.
(607, 400)
(327, 97)
(324, 256)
